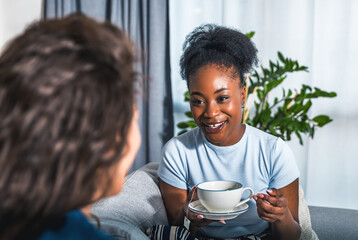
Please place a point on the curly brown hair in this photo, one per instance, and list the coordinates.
(67, 90)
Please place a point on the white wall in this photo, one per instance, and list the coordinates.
(15, 15)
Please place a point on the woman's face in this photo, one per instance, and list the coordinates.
(215, 101)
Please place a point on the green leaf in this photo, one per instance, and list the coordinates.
(289, 94)
(303, 68)
(306, 86)
(250, 34)
(260, 94)
(191, 123)
(275, 101)
(181, 132)
(322, 120)
(332, 94)
(272, 66)
(296, 108)
(265, 116)
(307, 106)
(274, 84)
(281, 57)
(299, 136)
(266, 71)
(272, 130)
(311, 132)
(187, 96)
(188, 114)
(321, 93)
(183, 125)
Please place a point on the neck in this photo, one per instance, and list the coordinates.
(86, 211)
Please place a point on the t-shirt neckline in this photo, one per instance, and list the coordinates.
(241, 142)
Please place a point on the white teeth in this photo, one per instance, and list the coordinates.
(214, 125)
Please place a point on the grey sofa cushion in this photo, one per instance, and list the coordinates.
(138, 206)
(334, 223)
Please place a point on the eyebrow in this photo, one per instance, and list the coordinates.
(217, 91)
(197, 93)
(220, 90)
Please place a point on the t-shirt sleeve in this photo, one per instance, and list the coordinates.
(283, 165)
(172, 168)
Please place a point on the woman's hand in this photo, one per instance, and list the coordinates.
(176, 203)
(280, 208)
(196, 219)
(272, 206)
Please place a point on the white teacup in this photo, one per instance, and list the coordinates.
(222, 196)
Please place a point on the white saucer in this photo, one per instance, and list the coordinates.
(196, 207)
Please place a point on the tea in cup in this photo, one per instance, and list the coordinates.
(222, 196)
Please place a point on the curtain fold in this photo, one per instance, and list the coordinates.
(146, 22)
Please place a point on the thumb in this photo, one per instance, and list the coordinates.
(274, 192)
(192, 194)
(190, 197)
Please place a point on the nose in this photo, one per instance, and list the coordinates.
(211, 110)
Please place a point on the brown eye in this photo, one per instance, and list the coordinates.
(222, 98)
(196, 101)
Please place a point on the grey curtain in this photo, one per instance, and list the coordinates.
(146, 21)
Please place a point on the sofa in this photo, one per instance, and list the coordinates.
(334, 223)
(139, 206)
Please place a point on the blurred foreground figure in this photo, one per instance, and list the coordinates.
(68, 126)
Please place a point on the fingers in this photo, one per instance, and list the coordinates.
(198, 219)
(195, 218)
(267, 207)
(268, 212)
(192, 196)
(272, 206)
(274, 192)
(274, 198)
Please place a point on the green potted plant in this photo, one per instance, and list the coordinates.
(283, 115)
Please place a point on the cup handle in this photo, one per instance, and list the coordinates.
(246, 199)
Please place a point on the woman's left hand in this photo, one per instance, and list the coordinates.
(272, 206)
(280, 208)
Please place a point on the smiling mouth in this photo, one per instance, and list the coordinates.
(213, 127)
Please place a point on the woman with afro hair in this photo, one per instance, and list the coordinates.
(214, 64)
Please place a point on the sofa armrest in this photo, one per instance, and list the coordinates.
(334, 223)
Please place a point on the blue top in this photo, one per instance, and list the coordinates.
(259, 160)
(75, 227)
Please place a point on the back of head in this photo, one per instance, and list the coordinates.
(67, 89)
(218, 45)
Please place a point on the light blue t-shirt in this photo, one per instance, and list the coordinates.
(259, 160)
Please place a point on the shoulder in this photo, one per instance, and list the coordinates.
(276, 155)
(75, 226)
(174, 164)
(184, 141)
(271, 146)
(264, 138)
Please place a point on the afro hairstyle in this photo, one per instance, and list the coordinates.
(222, 46)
